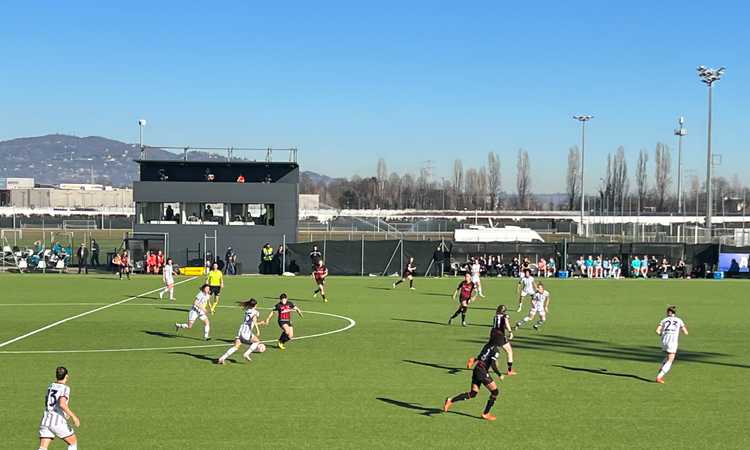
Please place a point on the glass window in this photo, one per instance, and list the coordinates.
(252, 214)
(205, 213)
(171, 213)
(149, 212)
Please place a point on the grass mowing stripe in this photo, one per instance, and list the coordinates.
(83, 314)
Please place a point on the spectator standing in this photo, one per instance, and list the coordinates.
(644, 266)
(169, 214)
(230, 259)
(95, 253)
(589, 263)
(315, 256)
(635, 267)
(542, 268)
(266, 258)
(615, 269)
(83, 257)
(278, 261)
(159, 261)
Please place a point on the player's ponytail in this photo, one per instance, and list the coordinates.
(501, 309)
(247, 304)
(672, 310)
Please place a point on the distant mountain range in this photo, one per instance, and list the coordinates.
(59, 158)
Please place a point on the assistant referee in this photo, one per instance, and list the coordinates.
(215, 281)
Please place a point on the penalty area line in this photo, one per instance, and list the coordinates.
(86, 313)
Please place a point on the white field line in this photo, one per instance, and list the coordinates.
(77, 316)
(350, 325)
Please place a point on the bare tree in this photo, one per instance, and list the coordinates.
(471, 188)
(482, 187)
(573, 177)
(493, 178)
(523, 178)
(663, 162)
(458, 181)
(617, 178)
(382, 176)
(641, 175)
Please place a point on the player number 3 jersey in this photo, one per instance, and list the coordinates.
(53, 414)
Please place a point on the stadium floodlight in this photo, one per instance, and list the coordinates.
(141, 124)
(709, 77)
(583, 118)
(679, 132)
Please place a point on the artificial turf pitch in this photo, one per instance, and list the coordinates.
(585, 380)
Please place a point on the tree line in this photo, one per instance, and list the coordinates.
(651, 187)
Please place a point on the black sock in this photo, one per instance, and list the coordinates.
(510, 366)
(411, 283)
(463, 316)
(490, 404)
(460, 397)
(399, 282)
(284, 337)
(323, 295)
(316, 291)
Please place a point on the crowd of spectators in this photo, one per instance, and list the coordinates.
(498, 266)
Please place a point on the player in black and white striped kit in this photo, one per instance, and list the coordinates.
(56, 413)
(502, 334)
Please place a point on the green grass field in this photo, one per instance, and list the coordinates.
(584, 381)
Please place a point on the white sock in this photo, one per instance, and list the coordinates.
(228, 353)
(665, 368)
(182, 325)
(73, 447)
(206, 329)
(526, 319)
(171, 293)
(161, 293)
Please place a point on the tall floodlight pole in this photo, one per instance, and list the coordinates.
(583, 118)
(679, 132)
(709, 76)
(141, 124)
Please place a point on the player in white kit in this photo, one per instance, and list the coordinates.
(247, 334)
(198, 311)
(168, 277)
(476, 268)
(526, 287)
(669, 329)
(56, 413)
(540, 305)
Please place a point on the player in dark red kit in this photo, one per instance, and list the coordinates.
(320, 273)
(466, 292)
(408, 274)
(284, 309)
(501, 330)
(486, 360)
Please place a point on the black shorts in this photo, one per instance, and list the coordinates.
(215, 290)
(480, 376)
(499, 337)
(407, 274)
(285, 322)
(320, 281)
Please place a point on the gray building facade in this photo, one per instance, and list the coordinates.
(202, 208)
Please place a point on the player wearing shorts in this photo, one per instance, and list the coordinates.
(198, 311)
(124, 267)
(669, 330)
(167, 275)
(284, 309)
(56, 413)
(486, 360)
(320, 273)
(504, 334)
(248, 333)
(215, 279)
(526, 287)
(476, 268)
(408, 274)
(466, 292)
(540, 305)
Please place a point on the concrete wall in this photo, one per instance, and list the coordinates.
(186, 241)
(63, 198)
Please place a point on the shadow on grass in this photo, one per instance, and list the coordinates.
(162, 334)
(379, 288)
(451, 370)
(197, 356)
(604, 372)
(437, 294)
(423, 410)
(175, 308)
(429, 322)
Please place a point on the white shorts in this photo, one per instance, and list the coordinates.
(537, 307)
(169, 282)
(245, 334)
(196, 314)
(62, 431)
(526, 293)
(669, 345)
(475, 279)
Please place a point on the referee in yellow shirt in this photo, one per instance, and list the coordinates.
(215, 281)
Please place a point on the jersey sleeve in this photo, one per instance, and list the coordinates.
(65, 393)
(291, 305)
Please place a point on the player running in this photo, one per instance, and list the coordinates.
(466, 291)
(408, 274)
(476, 268)
(198, 311)
(539, 304)
(248, 333)
(669, 330)
(215, 279)
(486, 360)
(167, 275)
(526, 286)
(284, 309)
(124, 267)
(502, 332)
(320, 273)
(56, 413)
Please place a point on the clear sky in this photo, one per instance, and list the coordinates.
(348, 82)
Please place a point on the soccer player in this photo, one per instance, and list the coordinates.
(198, 311)
(486, 360)
(167, 276)
(319, 275)
(501, 328)
(408, 274)
(56, 412)
(466, 291)
(247, 334)
(526, 286)
(215, 279)
(539, 304)
(125, 264)
(284, 309)
(476, 268)
(669, 330)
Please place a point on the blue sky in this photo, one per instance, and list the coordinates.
(408, 81)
